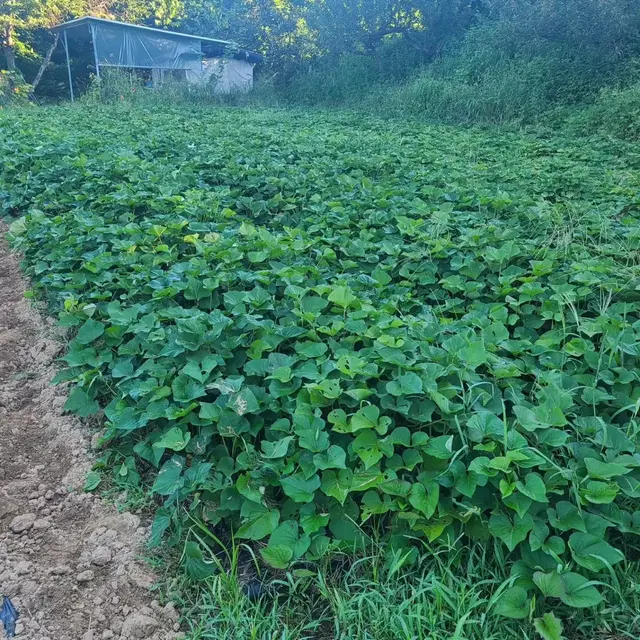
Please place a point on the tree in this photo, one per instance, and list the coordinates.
(18, 17)
(360, 26)
(21, 19)
(275, 28)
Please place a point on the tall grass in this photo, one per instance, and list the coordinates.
(448, 595)
(615, 112)
(519, 66)
(126, 86)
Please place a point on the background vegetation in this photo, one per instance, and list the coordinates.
(460, 61)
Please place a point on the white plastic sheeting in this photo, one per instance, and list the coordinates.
(119, 46)
(224, 75)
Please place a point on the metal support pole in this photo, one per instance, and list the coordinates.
(95, 51)
(66, 50)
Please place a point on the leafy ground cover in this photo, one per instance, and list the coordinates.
(338, 337)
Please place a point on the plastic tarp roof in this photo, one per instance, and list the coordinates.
(122, 46)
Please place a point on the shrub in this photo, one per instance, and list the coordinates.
(615, 112)
(14, 90)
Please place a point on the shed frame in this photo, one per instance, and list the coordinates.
(132, 46)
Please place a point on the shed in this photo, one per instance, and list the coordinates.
(197, 59)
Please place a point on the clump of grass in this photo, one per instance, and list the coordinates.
(448, 595)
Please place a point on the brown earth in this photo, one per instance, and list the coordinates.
(68, 561)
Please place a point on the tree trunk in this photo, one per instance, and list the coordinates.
(7, 47)
(44, 65)
(379, 62)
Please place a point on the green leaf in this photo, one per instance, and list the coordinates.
(572, 588)
(314, 522)
(314, 439)
(196, 567)
(550, 584)
(186, 389)
(511, 531)
(81, 404)
(193, 370)
(578, 591)
(92, 481)
(565, 517)
(334, 458)
(287, 534)
(342, 296)
(277, 556)
(278, 449)
(600, 492)
(395, 487)
(425, 498)
(548, 627)
(518, 502)
(337, 485)
(405, 385)
(161, 523)
(300, 489)
(311, 349)
(369, 418)
(91, 330)
(484, 424)
(261, 524)
(605, 470)
(247, 488)
(440, 447)
(169, 480)
(474, 354)
(210, 412)
(338, 418)
(592, 552)
(533, 487)
(175, 439)
(367, 447)
(313, 304)
(538, 535)
(513, 603)
(345, 528)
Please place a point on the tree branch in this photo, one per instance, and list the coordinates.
(376, 36)
(44, 65)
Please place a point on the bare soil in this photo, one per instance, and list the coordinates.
(68, 561)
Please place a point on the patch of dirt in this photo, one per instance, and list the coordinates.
(67, 560)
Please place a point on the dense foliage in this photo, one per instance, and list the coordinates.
(320, 338)
(447, 60)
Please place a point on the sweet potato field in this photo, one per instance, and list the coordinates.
(317, 333)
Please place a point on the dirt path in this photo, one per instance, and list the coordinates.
(67, 561)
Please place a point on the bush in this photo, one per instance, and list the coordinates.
(14, 91)
(616, 112)
(487, 79)
(347, 80)
(523, 60)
